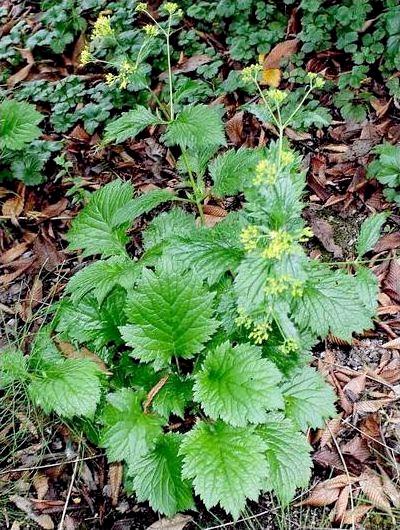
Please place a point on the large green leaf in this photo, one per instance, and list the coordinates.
(369, 232)
(287, 455)
(129, 433)
(309, 400)
(95, 229)
(142, 204)
(170, 315)
(173, 397)
(130, 124)
(18, 124)
(158, 477)
(226, 464)
(196, 126)
(237, 385)
(332, 302)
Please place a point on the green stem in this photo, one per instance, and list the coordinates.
(296, 110)
(171, 94)
(194, 187)
(266, 103)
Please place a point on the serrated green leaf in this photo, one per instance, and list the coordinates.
(70, 387)
(173, 397)
(88, 321)
(28, 169)
(158, 478)
(102, 276)
(168, 226)
(196, 126)
(232, 170)
(18, 124)
(226, 464)
(128, 432)
(13, 367)
(369, 233)
(288, 457)
(170, 314)
(210, 251)
(142, 204)
(331, 302)
(95, 229)
(309, 400)
(237, 385)
(130, 124)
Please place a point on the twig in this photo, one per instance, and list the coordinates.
(45, 466)
(345, 470)
(64, 513)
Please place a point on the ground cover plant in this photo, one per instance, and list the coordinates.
(187, 320)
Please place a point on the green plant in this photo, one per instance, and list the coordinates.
(207, 334)
(23, 155)
(386, 169)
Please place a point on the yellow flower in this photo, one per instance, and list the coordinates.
(280, 242)
(111, 79)
(316, 80)
(260, 332)
(266, 173)
(150, 30)
(250, 73)
(243, 319)
(276, 286)
(142, 6)
(305, 234)
(102, 27)
(276, 96)
(172, 9)
(86, 56)
(127, 67)
(297, 288)
(289, 346)
(249, 237)
(287, 157)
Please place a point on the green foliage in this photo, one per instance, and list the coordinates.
(130, 124)
(386, 169)
(18, 124)
(369, 233)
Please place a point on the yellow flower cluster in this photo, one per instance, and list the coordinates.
(276, 96)
(126, 68)
(289, 346)
(260, 332)
(102, 27)
(305, 234)
(250, 73)
(287, 157)
(151, 30)
(243, 319)
(316, 80)
(173, 9)
(266, 173)
(277, 286)
(86, 56)
(249, 237)
(280, 242)
(142, 6)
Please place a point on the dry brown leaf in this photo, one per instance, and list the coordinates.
(325, 233)
(321, 495)
(390, 488)
(47, 254)
(23, 73)
(216, 211)
(41, 485)
(354, 388)
(371, 485)
(188, 64)
(82, 353)
(355, 516)
(234, 128)
(282, 50)
(372, 405)
(341, 504)
(271, 77)
(357, 447)
(392, 344)
(115, 481)
(178, 522)
(13, 253)
(44, 520)
(388, 242)
(13, 207)
(333, 428)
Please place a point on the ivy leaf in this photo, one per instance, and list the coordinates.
(173, 397)
(288, 457)
(69, 387)
(237, 385)
(18, 124)
(232, 170)
(158, 478)
(95, 229)
(370, 232)
(101, 277)
(128, 433)
(332, 302)
(130, 124)
(226, 464)
(196, 126)
(309, 400)
(210, 251)
(142, 204)
(88, 321)
(170, 315)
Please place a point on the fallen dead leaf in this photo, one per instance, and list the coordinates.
(13, 206)
(332, 429)
(355, 387)
(392, 344)
(355, 516)
(115, 481)
(187, 64)
(388, 242)
(41, 485)
(44, 520)
(357, 447)
(82, 353)
(341, 504)
(371, 485)
(23, 72)
(234, 128)
(177, 522)
(389, 488)
(13, 253)
(372, 405)
(321, 496)
(271, 77)
(282, 50)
